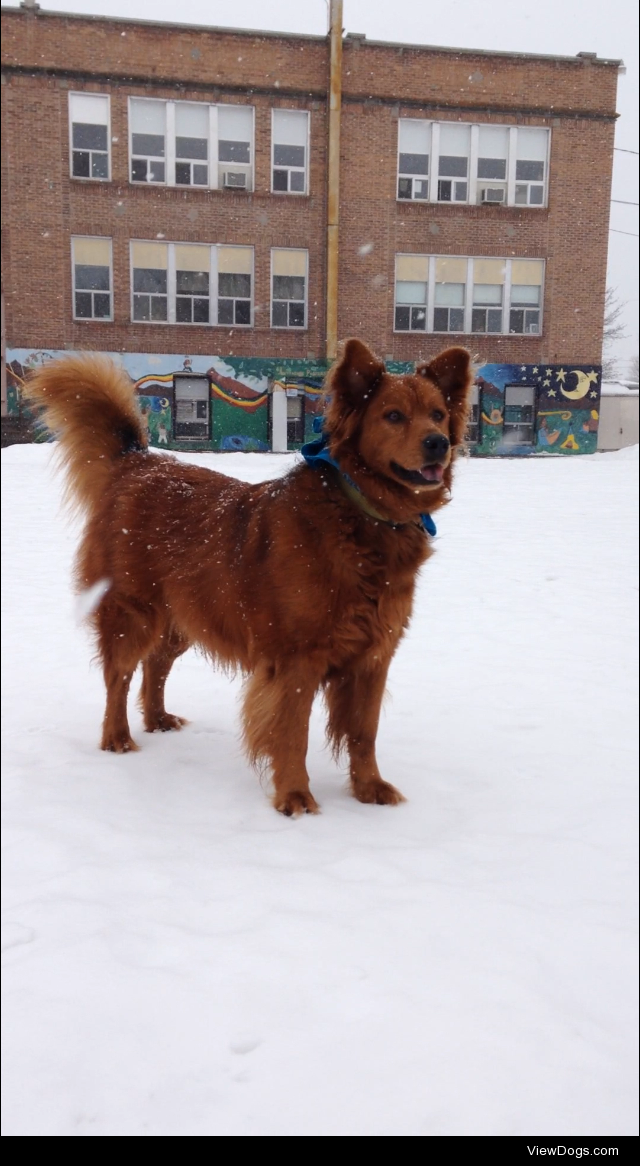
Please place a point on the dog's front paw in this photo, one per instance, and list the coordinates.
(296, 802)
(119, 743)
(377, 793)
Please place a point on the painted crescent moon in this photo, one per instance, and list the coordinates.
(582, 387)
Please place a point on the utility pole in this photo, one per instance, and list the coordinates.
(333, 192)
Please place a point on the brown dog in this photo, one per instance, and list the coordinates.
(304, 583)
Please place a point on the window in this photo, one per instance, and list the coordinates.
(412, 278)
(235, 138)
(193, 274)
(290, 130)
(453, 163)
(531, 160)
(235, 271)
(488, 295)
(91, 262)
(473, 426)
(519, 414)
(192, 283)
(526, 296)
(478, 164)
(192, 396)
(295, 418)
(89, 133)
(147, 120)
(192, 144)
(288, 289)
(450, 295)
(149, 263)
(413, 158)
(493, 154)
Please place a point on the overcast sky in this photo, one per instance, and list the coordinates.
(609, 28)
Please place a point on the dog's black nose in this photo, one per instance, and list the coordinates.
(435, 446)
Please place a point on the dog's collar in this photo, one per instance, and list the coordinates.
(316, 453)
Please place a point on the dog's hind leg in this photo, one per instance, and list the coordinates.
(155, 670)
(277, 706)
(354, 699)
(126, 632)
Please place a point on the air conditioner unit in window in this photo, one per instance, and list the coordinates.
(533, 329)
(236, 179)
(492, 194)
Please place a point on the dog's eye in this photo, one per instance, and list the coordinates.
(394, 417)
(438, 415)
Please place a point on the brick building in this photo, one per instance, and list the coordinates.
(165, 199)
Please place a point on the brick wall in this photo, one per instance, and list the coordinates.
(44, 56)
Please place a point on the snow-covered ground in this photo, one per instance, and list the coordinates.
(182, 961)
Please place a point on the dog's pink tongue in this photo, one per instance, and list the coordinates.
(432, 473)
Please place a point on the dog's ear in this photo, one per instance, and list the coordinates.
(356, 373)
(451, 372)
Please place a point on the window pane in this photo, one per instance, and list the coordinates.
(450, 293)
(530, 171)
(290, 127)
(536, 195)
(99, 165)
(403, 318)
(452, 167)
(225, 311)
(444, 191)
(460, 191)
(418, 319)
(405, 187)
(479, 320)
(83, 305)
(141, 308)
(92, 278)
(89, 137)
(494, 320)
(236, 286)
(288, 155)
(191, 148)
(440, 319)
(456, 320)
(192, 120)
(296, 181)
(102, 306)
(235, 123)
(156, 171)
(420, 189)
(158, 308)
(81, 165)
(138, 170)
(183, 310)
(525, 294)
(288, 287)
(521, 195)
(183, 174)
(243, 312)
(147, 117)
(296, 315)
(411, 293)
(149, 280)
(234, 151)
(192, 282)
(200, 311)
(495, 168)
(200, 175)
(150, 145)
(413, 136)
(414, 164)
(89, 108)
(281, 180)
(533, 143)
(454, 139)
(279, 315)
(516, 321)
(484, 293)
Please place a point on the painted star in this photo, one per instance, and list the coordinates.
(552, 393)
(535, 368)
(545, 384)
(593, 393)
(523, 368)
(592, 377)
(548, 372)
(561, 375)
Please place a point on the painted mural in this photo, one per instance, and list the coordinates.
(521, 409)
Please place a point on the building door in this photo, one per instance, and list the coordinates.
(295, 418)
(473, 426)
(192, 407)
(519, 415)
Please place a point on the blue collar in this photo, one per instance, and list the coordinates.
(316, 453)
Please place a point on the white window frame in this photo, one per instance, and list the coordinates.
(213, 285)
(88, 178)
(91, 319)
(213, 163)
(468, 302)
(472, 180)
(413, 178)
(307, 169)
(428, 306)
(290, 327)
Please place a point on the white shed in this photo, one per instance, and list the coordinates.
(618, 425)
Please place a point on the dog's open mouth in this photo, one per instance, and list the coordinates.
(429, 475)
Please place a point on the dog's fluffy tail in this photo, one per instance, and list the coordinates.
(90, 405)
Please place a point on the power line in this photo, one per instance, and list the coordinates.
(622, 151)
(634, 234)
(624, 202)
